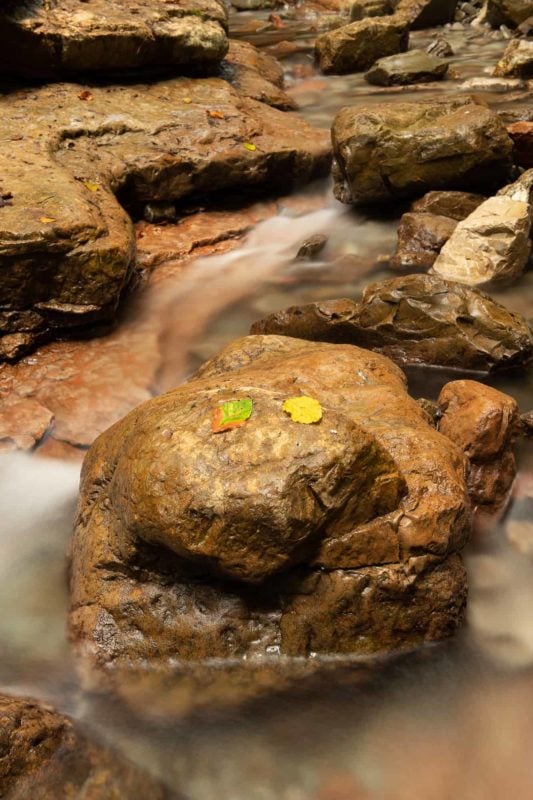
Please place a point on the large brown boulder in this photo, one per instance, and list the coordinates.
(72, 150)
(509, 12)
(275, 537)
(492, 245)
(64, 37)
(44, 757)
(355, 47)
(387, 152)
(483, 422)
(418, 319)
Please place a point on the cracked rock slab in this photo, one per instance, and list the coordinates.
(191, 545)
(418, 319)
(58, 38)
(66, 243)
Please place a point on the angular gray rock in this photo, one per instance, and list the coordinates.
(66, 37)
(355, 47)
(416, 66)
(391, 151)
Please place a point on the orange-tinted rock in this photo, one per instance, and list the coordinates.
(483, 423)
(320, 517)
(522, 135)
(43, 756)
(420, 239)
(418, 319)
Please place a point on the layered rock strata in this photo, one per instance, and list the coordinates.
(66, 243)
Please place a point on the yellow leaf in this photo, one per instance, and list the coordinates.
(186, 100)
(250, 147)
(303, 409)
(46, 219)
(92, 187)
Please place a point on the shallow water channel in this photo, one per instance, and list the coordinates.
(449, 721)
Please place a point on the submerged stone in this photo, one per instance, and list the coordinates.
(249, 542)
(391, 151)
(418, 319)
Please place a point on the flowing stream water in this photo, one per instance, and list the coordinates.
(451, 720)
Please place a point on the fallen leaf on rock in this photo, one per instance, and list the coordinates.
(216, 114)
(232, 414)
(303, 409)
(85, 95)
(250, 147)
(92, 187)
(46, 219)
(187, 100)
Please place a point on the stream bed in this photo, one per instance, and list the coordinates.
(448, 721)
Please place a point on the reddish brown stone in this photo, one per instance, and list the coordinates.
(522, 135)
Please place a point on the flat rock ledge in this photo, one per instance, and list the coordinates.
(54, 39)
(67, 245)
(275, 538)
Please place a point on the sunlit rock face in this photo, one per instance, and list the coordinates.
(355, 47)
(386, 152)
(64, 37)
(67, 246)
(276, 537)
(44, 756)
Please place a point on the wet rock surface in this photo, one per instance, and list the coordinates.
(386, 152)
(492, 245)
(522, 135)
(169, 542)
(420, 239)
(361, 9)
(424, 230)
(355, 47)
(509, 12)
(44, 757)
(426, 13)
(483, 422)
(419, 319)
(416, 66)
(517, 60)
(52, 40)
(62, 175)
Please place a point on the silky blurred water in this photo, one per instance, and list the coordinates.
(447, 721)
